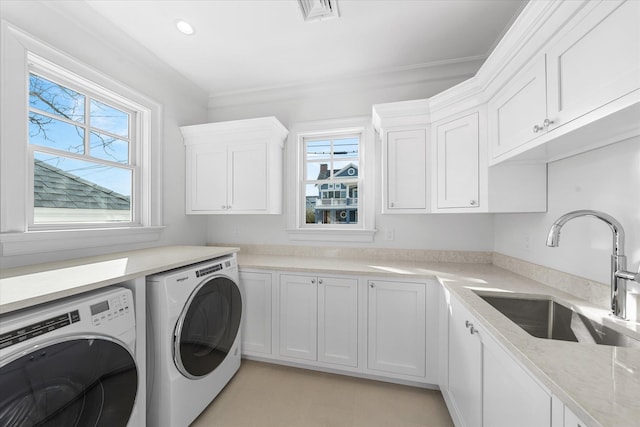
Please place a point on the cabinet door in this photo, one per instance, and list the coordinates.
(256, 319)
(406, 171)
(397, 327)
(338, 321)
(458, 158)
(510, 396)
(465, 366)
(298, 316)
(207, 186)
(596, 61)
(571, 420)
(248, 188)
(517, 108)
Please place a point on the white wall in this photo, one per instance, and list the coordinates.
(351, 98)
(607, 180)
(75, 29)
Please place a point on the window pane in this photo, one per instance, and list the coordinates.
(316, 150)
(317, 171)
(109, 148)
(53, 133)
(346, 147)
(55, 99)
(311, 196)
(109, 119)
(68, 190)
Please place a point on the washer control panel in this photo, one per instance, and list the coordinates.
(33, 330)
(110, 309)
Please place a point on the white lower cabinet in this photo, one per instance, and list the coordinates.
(256, 329)
(319, 319)
(465, 367)
(486, 386)
(571, 420)
(510, 396)
(397, 327)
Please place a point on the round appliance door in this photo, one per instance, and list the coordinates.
(84, 381)
(208, 327)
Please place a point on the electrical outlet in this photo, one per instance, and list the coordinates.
(388, 234)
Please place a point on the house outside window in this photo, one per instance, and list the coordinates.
(337, 203)
(333, 192)
(331, 179)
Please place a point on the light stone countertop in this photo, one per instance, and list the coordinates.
(600, 384)
(23, 287)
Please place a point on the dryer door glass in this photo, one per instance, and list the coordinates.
(79, 382)
(208, 328)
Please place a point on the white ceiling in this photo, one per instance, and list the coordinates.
(246, 45)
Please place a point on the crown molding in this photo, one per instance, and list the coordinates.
(458, 69)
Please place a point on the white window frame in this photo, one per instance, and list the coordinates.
(297, 229)
(17, 236)
(90, 90)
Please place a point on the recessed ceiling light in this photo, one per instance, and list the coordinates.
(184, 27)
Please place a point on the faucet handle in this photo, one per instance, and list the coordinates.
(627, 275)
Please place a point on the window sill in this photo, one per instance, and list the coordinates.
(331, 235)
(33, 242)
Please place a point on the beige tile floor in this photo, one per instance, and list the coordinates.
(267, 395)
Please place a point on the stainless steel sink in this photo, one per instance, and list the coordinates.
(545, 318)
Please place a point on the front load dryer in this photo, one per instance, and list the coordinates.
(71, 363)
(193, 323)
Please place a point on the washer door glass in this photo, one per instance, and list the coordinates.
(80, 382)
(208, 328)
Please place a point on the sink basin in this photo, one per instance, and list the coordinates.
(545, 318)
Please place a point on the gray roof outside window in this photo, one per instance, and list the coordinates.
(54, 188)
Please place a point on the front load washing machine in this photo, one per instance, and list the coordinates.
(71, 363)
(193, 339)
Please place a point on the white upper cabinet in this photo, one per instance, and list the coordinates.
(458, 157)
(404, 133)
(581, 90)
(518, 112)
(234, 167)
(463, 180)
(595, 61)
(406, 170)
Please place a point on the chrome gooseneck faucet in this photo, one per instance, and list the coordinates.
(619, 275)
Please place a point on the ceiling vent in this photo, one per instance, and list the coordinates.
(317, 10)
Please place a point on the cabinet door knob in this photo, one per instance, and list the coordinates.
(472, 202)
(313, 281)
(391, 204)
(372, 285)
(320, 281)
(223, 207)
(467, 324)
(472, 330)
(544, 127)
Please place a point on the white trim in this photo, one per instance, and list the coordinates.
(58, 240)
(17, 45)
(365, 229)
